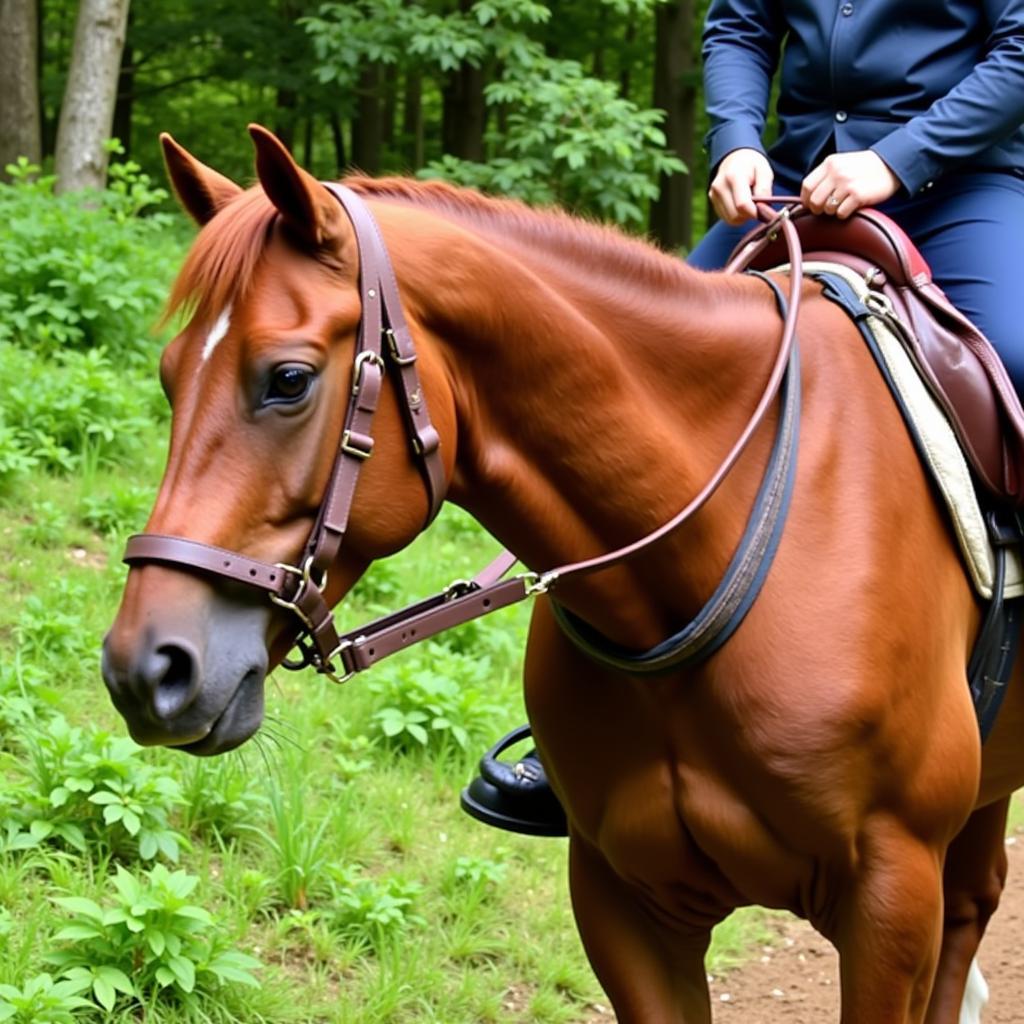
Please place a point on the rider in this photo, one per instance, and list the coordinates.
(912, 106)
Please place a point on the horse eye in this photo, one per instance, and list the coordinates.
(288, 383)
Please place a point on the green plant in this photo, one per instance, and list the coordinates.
(46, 524)
(76, 275)
(370, 911)
(433, 698)
(150, 939)
(218, 796)
(117, 511)
(298, 843)
(41, 1000)
(90, 787)
(61, 410)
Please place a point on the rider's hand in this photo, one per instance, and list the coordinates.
(741, 174)
(844, 182)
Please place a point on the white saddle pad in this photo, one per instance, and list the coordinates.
(942, 452)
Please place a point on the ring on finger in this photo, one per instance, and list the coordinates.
(832, 200)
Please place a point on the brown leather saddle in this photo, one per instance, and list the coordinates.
(955, 360)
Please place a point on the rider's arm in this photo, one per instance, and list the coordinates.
(982, 110)
(742, 39)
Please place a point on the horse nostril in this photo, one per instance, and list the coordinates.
(172, 678)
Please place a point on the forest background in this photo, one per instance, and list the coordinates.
(594, 104)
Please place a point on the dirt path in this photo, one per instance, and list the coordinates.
(795, 980)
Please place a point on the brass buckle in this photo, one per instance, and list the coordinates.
(350, 449)
(324, 667)
(396, 356)
(367, 356)
(306, 576)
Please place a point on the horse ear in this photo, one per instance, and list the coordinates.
(200, 189)
(307, 207)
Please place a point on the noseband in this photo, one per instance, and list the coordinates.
(384, 341)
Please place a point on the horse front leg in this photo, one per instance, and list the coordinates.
(973, 881)
(652, 974)
(889, 927)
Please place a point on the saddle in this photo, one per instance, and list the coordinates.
(956, 361)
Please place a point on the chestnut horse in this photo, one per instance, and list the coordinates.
(826, 760)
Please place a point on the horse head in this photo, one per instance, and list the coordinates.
(259, 382)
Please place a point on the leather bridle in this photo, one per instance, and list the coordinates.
(384, 342)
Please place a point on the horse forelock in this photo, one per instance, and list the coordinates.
(221, 264)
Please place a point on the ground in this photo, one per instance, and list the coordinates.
(795, 979)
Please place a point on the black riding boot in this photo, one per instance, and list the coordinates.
(515, 797)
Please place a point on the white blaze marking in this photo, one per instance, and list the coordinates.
(217, 332)
(975, 997)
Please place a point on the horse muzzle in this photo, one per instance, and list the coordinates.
(187, 673)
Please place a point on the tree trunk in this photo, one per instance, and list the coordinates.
(338, 135)
(412, 120)
(675, 92)
(20, 133)
(465, 113)
(307, 144)
(87, 114)
(125, 106)
(285, 116)
(625, 75)
(366, 125)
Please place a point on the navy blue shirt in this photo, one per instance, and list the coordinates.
(929, 85)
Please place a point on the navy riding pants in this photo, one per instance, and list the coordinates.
(970, 229)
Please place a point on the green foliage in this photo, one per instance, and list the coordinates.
(79, 274)
(565, 136)
(149, 939)
(86, 787)
(434, 697)
(62, 412)
(298, 843)
(46, 525)
(119, 510)
(218, 796)
(568, 138)
(372, 911)
(41, 1000)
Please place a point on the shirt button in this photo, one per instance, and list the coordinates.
(847, 10)
(841, 116)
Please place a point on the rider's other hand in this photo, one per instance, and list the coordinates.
(844, 182)
(741, 174)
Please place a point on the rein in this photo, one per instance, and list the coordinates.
(384, 341)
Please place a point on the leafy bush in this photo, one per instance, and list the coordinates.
(41, 1000)
(434, 697)
(91, 788)
(149, 940)
(58, 411)
(118, 510)
(79, 274)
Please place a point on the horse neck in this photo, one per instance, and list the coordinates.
(595, 395)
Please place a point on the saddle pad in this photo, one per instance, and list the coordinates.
(940, 451)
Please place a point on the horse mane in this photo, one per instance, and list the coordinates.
(222, 262)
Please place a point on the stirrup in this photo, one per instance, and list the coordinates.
(514, 797)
